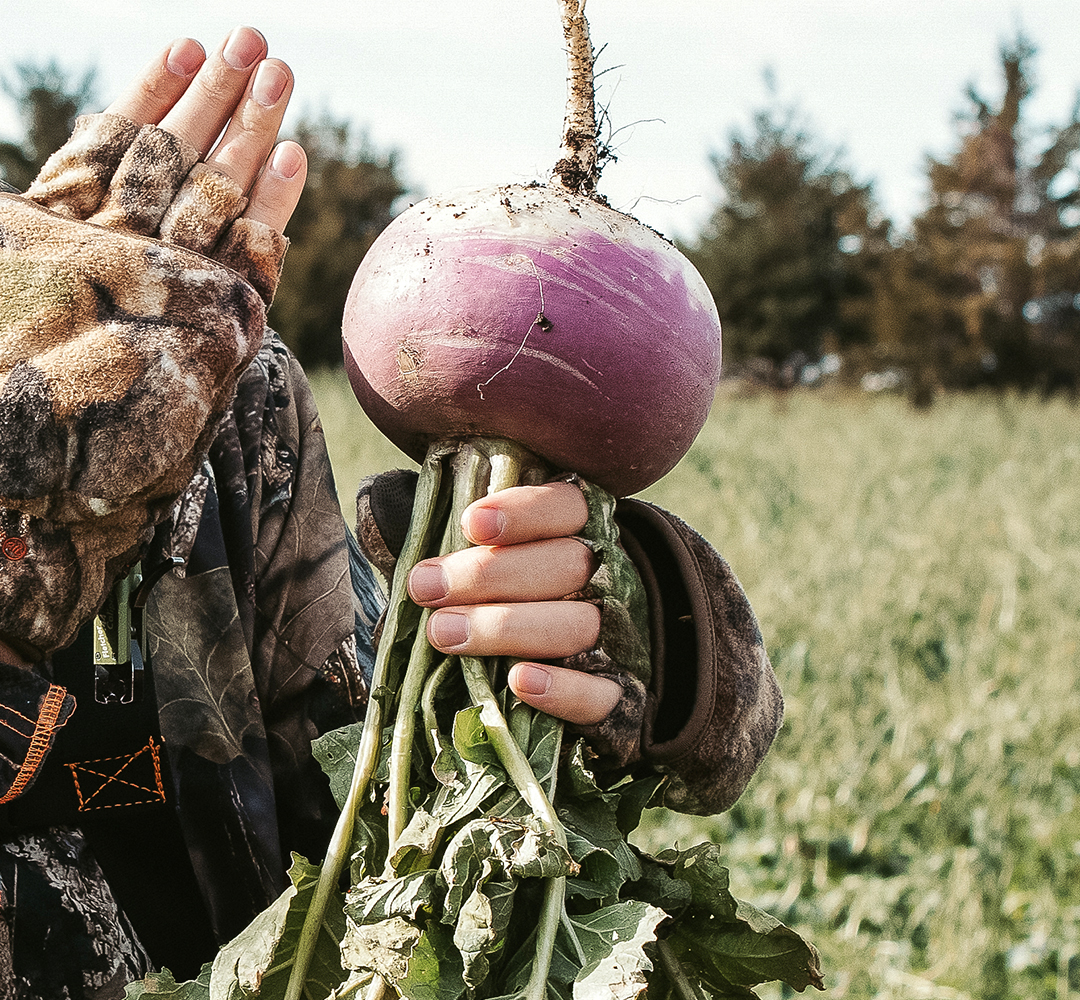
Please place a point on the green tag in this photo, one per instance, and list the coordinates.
(117, 659)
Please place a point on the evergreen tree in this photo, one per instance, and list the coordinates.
(346, 203)
(47, 103)
(989, 284)
(792, 252)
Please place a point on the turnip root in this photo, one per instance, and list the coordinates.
(539, 315)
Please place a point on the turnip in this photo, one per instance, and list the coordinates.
(499, 337)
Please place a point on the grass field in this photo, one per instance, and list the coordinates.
(916, 577)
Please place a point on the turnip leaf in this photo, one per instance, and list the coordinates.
(162, 985)
(374, 900)
(481, 927)
(726, 942)
(259, 959)
(613, 940)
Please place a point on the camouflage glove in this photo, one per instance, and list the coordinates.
(130, 302)
(622, 653)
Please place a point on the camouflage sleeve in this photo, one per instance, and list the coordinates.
(129, 307)
(714, 705)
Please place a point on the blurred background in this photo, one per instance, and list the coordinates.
(885, 202)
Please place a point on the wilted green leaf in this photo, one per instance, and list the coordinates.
(162, 985)
(613, 941)
(259, 959)
(416, 845)
(657, 886)
(490, 848)
(701, 868)
(596, 842)
(725, 942)
(464, 786)
(336, 753)
(634, 797)
(384, 948)
(375, 899)
(471, 738)
(723, 954)
(545, 741)
(434, 969)
(481, 927)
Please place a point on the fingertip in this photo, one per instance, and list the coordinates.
(244, 47)
(575, 697)
(529, 680)
(288, 160)
(278, 188)
(482, 524)
(184, 57)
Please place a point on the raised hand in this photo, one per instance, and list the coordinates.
(139, 265)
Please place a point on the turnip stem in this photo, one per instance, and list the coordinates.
(520, 772)
(367, 757)
(578, 167)
(427, 702)
(421, 658)
(467, 463)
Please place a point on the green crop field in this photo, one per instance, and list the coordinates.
(917, 578)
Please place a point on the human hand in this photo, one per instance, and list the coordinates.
(122, 349)
(506, 597)
(237, 89)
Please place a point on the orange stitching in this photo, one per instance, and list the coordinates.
(115, 778)
(15, 729)
(51, 706)
(19, 715)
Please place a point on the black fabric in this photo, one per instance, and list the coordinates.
(392, 496)
(138, 846)
(673, 626)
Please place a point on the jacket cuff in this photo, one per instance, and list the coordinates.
(716, 706)
(31, 712)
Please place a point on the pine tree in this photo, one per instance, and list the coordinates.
(47, 102)
(989, 284)
(792, 252)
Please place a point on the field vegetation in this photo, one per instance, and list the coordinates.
(915, 573)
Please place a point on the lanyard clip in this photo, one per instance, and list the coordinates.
(119, 642)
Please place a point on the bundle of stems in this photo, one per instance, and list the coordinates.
(407, 671)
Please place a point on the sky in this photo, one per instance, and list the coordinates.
(470, 92)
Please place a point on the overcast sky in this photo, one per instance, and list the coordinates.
(470, 91)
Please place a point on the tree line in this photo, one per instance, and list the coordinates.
(810, 278)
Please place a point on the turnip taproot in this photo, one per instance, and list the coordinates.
(539, 314)
(500, 337)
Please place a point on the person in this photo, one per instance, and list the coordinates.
(182, 606)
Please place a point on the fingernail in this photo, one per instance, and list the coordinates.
(243, 48)
(269, 84)
(185, 57)
(427, 583)
(530, 679)
(448, 629)
(287, 160)
(486, 523)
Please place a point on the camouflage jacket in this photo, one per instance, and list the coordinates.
(258, 641)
